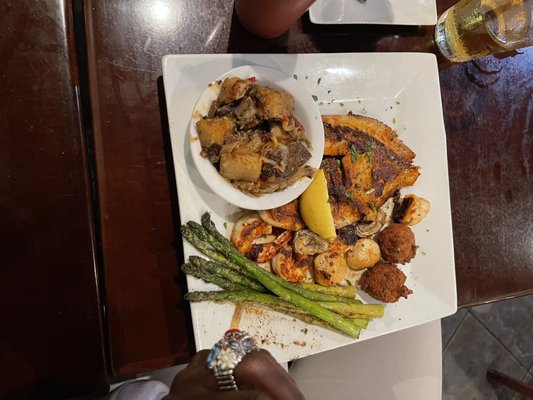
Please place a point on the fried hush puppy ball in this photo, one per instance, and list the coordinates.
(385, 282)
(397, 243)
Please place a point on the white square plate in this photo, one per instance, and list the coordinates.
(400, 89)
(382, 12)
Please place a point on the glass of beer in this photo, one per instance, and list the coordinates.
(474, 28)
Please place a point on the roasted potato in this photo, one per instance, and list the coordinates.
(240, 167)
(273, 104)
(213, 130)
(233, 89)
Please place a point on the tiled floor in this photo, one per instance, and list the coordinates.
(498, 336)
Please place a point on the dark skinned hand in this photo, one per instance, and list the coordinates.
(258, 375)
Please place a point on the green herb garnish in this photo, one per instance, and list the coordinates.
(353, 152)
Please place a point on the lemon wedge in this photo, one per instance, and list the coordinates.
(315, 208)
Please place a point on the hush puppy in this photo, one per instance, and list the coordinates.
(385, 282)
(397, 243)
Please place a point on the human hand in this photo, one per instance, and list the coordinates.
(258, 375)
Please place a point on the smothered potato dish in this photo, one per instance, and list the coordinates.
(357, 193)
(253, 138)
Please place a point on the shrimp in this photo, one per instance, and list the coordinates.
(253, 238)
(285, 217)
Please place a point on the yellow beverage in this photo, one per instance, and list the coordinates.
(475, 28)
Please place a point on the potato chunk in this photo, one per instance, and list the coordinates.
(233, 89)
(213, 131)
(273, 104)
(240, 167)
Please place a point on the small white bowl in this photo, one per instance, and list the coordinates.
(306, 111)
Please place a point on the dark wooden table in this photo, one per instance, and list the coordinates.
(487, 111)
(51, 334)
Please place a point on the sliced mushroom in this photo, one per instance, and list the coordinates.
(371, 228)
(366, 230)
(308, 243)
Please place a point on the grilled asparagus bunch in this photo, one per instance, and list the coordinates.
(243, 281)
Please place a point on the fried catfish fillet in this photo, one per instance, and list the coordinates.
(365, 164)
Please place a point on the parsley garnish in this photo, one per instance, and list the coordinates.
(318, 82)
(370, 151)
(372, 206)
(315, 98)
(348, 195)
(225, 225)
(295, 76)
(353, 152)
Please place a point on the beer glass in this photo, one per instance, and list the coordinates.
(474, 28)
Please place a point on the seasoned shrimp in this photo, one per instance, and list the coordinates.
(285, 217)
(263, 252)
(290, 267)
(246, 230)
(253, 238)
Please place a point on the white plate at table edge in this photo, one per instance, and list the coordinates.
(391, 12)
(393, 87)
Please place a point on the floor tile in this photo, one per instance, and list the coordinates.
(511, 321)
(470, 352)
(450, 324)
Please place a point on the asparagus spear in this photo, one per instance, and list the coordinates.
(189, 235)
(305, 289)
(355, 310)
(266, 300)
(190, 269)
(226, 248)
(338, 291)
(229, 280)
(269, 281)
(217, 269)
